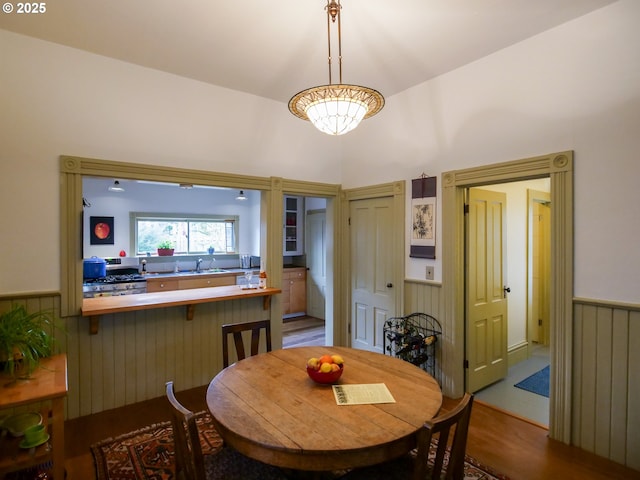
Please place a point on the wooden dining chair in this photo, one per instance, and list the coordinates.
(456, 420)
(236, 329)
(188, 451)
(225, 464)
(416, 465)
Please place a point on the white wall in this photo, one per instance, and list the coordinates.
(139, 197)
(55, 100)
(575, 87)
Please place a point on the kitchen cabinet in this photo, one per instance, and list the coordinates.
(294, 291)
(45, 391)
(162, 284)
(181, 283)
(293, 226)
(207, 281)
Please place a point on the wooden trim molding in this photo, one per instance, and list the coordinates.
(72, 170)
(559, 167)
(635, 307)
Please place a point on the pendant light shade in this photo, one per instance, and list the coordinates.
(116, 187)
(241, 196)
(336, 109)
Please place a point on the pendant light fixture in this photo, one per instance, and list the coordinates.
(116, 187)
(336, 109)
(241, 196)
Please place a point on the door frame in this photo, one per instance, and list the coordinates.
(534, 197)
(559, 168)
(396, 190)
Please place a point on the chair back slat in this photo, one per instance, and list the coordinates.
(189, 458)
(236, 329)
(456, 421)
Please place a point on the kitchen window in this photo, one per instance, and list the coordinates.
(188, 234)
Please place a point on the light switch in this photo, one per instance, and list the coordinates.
(429, 273)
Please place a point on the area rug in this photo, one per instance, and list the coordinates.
(148, 454)
(537, 383)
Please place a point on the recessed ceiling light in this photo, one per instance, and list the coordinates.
(116, 187)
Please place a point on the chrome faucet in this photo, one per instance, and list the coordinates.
(198, 265)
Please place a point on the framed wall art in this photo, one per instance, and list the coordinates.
(423, 217)
(101, 230)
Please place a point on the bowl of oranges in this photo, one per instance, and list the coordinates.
(326, 369)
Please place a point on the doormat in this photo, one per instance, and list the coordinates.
(148, 454)
(537, 383)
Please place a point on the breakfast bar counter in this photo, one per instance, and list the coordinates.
(94, 307)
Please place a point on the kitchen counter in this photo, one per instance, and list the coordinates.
(186, 273)
(94, 307)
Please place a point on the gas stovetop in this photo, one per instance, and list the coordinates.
(126, 284)
(134, 277)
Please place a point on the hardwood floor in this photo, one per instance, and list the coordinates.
(302, 331)
(511, 445)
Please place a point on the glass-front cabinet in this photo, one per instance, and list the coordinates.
(293, 226)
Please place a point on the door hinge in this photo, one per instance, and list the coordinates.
(349, 221)
(349, 328)
(466, 363)
(539, 322)
(465, 208)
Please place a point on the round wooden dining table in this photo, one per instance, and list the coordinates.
(268, 408)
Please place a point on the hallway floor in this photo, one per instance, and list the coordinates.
(505, 396)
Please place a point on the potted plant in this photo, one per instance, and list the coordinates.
(25, 338)
(165, 248)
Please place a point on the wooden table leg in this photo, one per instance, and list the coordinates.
(57, 432)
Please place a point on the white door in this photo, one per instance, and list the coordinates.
(486, 329)
(316, 263)
(372, 295)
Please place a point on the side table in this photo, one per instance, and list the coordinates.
(48, 384)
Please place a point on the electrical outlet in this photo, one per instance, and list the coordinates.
(429, 273)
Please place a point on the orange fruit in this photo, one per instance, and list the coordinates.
(325, 359)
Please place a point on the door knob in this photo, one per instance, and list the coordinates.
(389, 285)
(506, 290)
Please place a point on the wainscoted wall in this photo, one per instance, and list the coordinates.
(606, 370)
(135, 353)
(606, 380)
(426, 297)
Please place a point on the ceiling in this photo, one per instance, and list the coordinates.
(275, 49)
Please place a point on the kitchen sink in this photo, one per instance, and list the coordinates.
(187, 273)
(202, 272)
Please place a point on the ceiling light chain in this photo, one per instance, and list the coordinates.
(336, 109)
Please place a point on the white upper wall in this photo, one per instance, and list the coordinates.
(55, 100)
(575, 87)
(158, 198)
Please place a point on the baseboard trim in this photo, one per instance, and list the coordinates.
(511, 414)
(518, 353)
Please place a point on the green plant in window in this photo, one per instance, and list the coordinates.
(165, 244)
